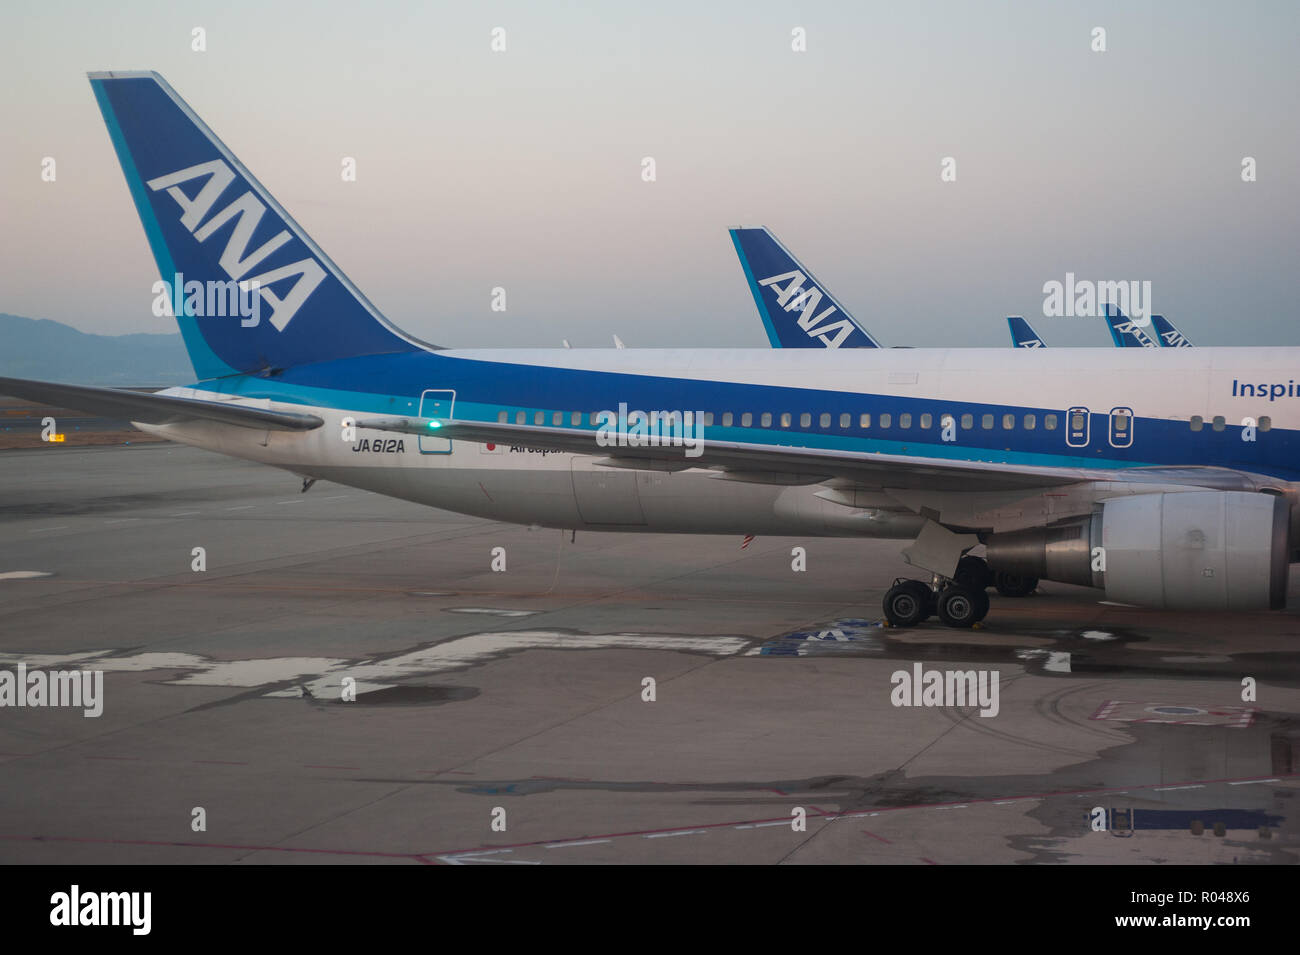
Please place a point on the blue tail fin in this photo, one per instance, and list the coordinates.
(1022, 334)
(210, 222)
(1125, 333)
(1167, 335)
(797, 310)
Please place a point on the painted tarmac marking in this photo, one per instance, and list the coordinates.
(577, 842)
(24, 574)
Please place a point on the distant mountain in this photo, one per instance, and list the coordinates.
(40, 348)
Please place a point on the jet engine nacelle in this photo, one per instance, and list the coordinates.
(1190, 550)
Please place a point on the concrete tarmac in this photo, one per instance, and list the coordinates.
(502, 717)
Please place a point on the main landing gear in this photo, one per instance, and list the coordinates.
(960, 602)
(910, 602)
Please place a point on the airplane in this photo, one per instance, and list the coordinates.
(1100, 467)
(1125, 332)
(789, 297)
(769, 266)
(1023, 334)
(1159, 333)
(1168, 336)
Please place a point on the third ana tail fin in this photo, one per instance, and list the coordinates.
(1023, 334)
(220, 238)
(797, 310)
(1125, 333)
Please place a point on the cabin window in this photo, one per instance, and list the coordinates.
(864, 421)
(905, 420)
(805, 420)
(557, 419)
(502, 416)
(967, 422)
(1265, 423)
(521, 417)
(708, 419)
(824, 421)
(1008, 422)
(575, 419)
(727, 418)
(886, 420)
(986, 422)
(1197, 422)
(1031, 422)
(846, 419)
(927, 420)
(539, 417)
(766, 419)
(1049, 422)
(785, 419)
(1219, 422)
(1077, 421)
(746, 419)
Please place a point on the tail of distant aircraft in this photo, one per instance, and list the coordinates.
(1167, 335)
(797, 310)
(1124, 333)
(1023, 334)
(215, 232)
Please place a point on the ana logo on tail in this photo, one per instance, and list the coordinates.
(236, 261)
(794, 297)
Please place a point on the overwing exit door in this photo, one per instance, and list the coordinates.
(436, 404)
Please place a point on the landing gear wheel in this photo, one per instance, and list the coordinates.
(961, 606)
(907, 603)
(973, 572)
(1014, 585)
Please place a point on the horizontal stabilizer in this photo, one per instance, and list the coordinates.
(155, 409)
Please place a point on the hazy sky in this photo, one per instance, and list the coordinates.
(522, 169)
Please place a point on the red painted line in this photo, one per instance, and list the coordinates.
(134, 758)
(881, 838)
(220, 762)
(211, 845)
(928, 861)
(310, 766)
(857, 812)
